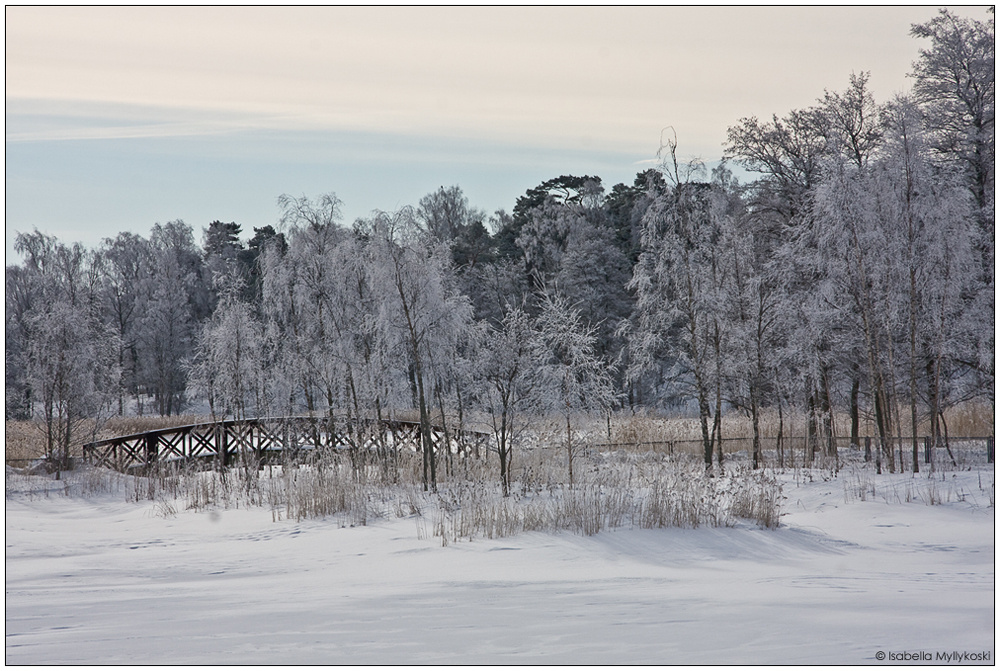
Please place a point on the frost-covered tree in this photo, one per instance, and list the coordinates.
(321, 212)
(508, 381)
(176, 301)
(68, 357)
(852, 122)
(126, 266)
(283, 309)
(576, 376)
(72, 373)
(420, 308)
(222, 249)
(954, 83)
(937, 225)
(861, 271)
(228, 366)
(18, 302)
(364, 353)
(250, 259)
(883, 268)
(787, 153)
(302, 292)
(445, 214)
(570, 247)
(753, 297)
(679, 285)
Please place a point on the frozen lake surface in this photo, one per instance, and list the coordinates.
(102, 581)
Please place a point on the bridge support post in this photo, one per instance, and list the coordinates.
(222, 444)
(152, 450)
(257, 443)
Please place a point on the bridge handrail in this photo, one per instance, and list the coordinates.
(259, 420)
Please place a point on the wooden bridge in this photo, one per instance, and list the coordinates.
(271, 440)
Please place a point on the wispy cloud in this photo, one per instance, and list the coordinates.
(41, 120)
(119, 132)
(604, 78)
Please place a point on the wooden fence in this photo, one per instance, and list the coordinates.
(797, 449)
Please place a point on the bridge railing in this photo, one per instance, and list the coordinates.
(270, 439)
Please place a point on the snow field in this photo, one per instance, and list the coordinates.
(99, 580)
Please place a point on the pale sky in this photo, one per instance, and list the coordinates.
(121, 117)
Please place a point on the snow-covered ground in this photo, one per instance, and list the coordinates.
(850, 574)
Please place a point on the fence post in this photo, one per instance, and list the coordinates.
(258, 446)
(868, 448)
(152, 449)
(222, 444)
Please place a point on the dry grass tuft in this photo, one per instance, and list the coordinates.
(974, 418)
(23, 442)
(124, 426)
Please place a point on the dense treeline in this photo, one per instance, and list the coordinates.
(853, 275)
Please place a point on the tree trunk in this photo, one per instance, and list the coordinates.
(502, 449)
(425, 434)
(855, 409)
(449, 464)
(781, 435)
(569, 447)
(812, 428)
(947, 444)
(717, 425)
(913, 366)
(831, 427)
(932, 394)
(703, 414)
(884, 447)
